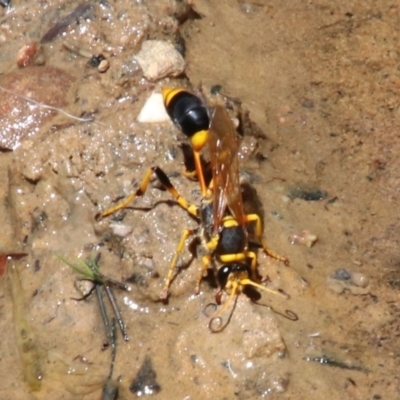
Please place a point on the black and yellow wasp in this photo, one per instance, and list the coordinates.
(223, 225)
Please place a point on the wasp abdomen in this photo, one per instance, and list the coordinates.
(232, 240)
(188, 112)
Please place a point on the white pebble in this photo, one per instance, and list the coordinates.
(153, 110)
(359, 279)
(122, 230)
(306, 238)
(159, 59)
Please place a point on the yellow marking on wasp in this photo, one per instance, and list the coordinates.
(169, 93)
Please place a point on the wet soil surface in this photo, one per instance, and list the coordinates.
(320, 81)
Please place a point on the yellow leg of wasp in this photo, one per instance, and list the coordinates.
(186, 233)
(199, 172)
(166, 183)
(259, 233)
(192, 175)
(206, 263)
(253, 264)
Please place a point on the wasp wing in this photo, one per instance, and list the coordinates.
(223, 146)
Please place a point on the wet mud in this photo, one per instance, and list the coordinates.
(318, 85)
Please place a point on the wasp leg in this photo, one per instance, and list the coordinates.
(259, 233)
(210, 189)
(140, 192)
(206, 264)
(253, 264)
(165, 182)
(186, 233)
(192, 175)
(199, 172)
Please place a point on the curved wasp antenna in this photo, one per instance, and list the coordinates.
(216, 324)
(210, 305)
(288, 314)
(216, 319)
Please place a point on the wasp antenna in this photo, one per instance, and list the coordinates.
(288, 314)
(207, 308)
(247, 281)
(216, 319)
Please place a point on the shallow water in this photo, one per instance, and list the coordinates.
(320, 81)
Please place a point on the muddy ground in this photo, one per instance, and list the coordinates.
(320, 80)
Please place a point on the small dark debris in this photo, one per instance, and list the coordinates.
(84, 10)
(119, 216)
(342, 275)
(145, 382)
(349, 15)
(307, 103)
(216, 89)
(276, 214)
(36, 266)
(332, 200)
(138, 279)
(261, 156)
(38, 218)
(110, 391)
(194, 359)
(352, 381)
(5, 149)
(180, 44)
(307, 193)
(187, 14)
(324, 360)
(96, 60)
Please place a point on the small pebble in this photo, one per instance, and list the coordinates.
(84, 286)
(307, 193)
(30, 54)
(145, 382)
(103, 66)
(359, 279)
(355, 282)
(306, 238)
(307, 103)
(342, 275)
(153, 110)
(94, 60)
(119, 229)
(159, 59)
